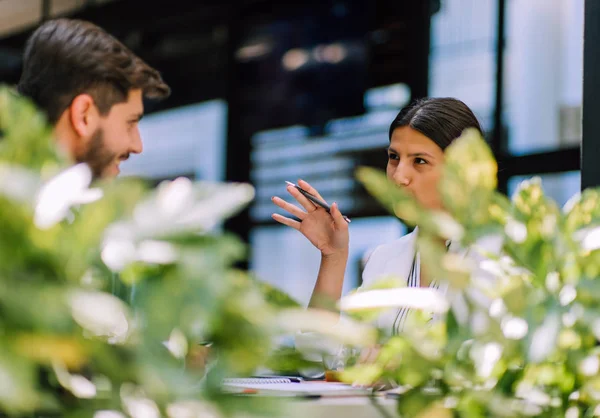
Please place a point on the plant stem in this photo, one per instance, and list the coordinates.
(379, 408)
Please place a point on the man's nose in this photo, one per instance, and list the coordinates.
(136, 146)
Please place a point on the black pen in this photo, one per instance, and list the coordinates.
(314, 199)
(292, 379)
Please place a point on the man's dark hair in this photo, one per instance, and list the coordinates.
(441, 119)
(65, 58)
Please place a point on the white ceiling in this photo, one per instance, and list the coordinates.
(17, 15)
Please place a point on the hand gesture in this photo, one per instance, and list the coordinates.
(326, 231)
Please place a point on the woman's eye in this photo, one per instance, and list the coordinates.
(420, 161)
(393, 157)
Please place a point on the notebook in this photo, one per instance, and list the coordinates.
(304, 389)
(261, 380)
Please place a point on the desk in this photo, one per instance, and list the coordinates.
(342, 407)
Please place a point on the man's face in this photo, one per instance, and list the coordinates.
(116, 137)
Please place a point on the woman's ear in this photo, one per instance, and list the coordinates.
(84, 115)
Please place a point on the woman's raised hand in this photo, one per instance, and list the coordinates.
(326, 231)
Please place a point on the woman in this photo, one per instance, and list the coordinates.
(418, 137)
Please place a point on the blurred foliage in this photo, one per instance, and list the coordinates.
(70, 347)
(107, 288)
(521, 336)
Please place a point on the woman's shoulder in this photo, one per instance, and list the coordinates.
(393, 258)
(398, 246)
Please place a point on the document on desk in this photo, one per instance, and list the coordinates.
(306, 389)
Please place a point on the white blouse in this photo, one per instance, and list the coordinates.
(396, 259)
(400, 259)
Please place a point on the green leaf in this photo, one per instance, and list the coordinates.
(418, 402)
(362, 374)
(394, 199)
(273, 295)
(27, 138)
(403, 205)
(469, 170)
(18, 394)
(470, 158)
(441, 265)
(583, 211)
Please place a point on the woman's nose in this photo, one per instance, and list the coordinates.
(402, 176)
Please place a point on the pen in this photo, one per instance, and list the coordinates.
(307, 396)
(292, 379)
(314, 199)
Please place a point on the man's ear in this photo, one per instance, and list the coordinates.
(84, 115)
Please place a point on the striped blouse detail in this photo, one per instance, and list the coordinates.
(414, 280)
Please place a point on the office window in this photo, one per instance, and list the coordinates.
(544, 71)
(462, 56)
(558, 186)
(185, 141)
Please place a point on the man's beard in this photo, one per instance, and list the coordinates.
(97, 156)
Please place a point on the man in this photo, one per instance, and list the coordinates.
(91, 88)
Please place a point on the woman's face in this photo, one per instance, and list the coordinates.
(415, 163)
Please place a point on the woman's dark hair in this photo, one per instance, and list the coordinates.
(64, 58)
(441, 119)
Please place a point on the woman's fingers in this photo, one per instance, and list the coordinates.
(306, 204)
(368, 355)
(364, 356)
(197, 357)
(338, 218)
(304, 185)
(286, 221)
(293, 209)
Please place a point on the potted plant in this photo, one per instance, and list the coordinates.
(73, 342)
(531, 350)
